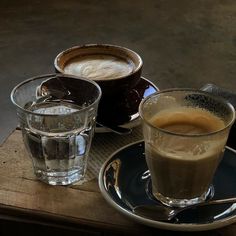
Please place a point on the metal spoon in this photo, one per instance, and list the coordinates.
(116, 129)
(165, 213)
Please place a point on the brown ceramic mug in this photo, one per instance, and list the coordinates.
(116, 69)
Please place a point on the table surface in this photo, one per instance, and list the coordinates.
(182, 43)
(79, 207)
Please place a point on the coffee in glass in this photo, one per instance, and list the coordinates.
(185, 133)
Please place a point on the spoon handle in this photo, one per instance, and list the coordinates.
(116, 129)
(219, 201)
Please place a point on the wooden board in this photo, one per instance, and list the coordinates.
(24, 198)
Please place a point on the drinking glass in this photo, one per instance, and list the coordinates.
(182, 163)
(57, 116)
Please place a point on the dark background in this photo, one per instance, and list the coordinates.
(182, 43)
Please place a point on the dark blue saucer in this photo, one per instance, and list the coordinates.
(125, 183)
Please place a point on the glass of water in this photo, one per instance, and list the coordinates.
(57, 114)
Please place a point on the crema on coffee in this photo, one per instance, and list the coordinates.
(99, 67)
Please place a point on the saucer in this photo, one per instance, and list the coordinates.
(123, 181)
(143, 89)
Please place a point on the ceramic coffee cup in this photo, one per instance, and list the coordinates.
(116, 69)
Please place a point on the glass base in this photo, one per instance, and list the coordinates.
(59, 178)
(185, 202)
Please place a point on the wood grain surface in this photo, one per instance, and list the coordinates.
(25, 199)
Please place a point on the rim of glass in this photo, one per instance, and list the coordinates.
(219, 99)
(47, 76)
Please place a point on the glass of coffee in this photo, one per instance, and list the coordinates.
(57, 124)
(185, 133)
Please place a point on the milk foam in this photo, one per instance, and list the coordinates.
(99, 67)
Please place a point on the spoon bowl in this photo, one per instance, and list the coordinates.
(165, 213)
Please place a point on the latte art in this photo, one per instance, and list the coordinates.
(99, 67)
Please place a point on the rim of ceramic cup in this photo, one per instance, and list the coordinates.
(104, 46)
(165, 91)
(47, 76)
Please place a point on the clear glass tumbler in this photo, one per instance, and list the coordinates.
(185, 133)
(57, 115)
